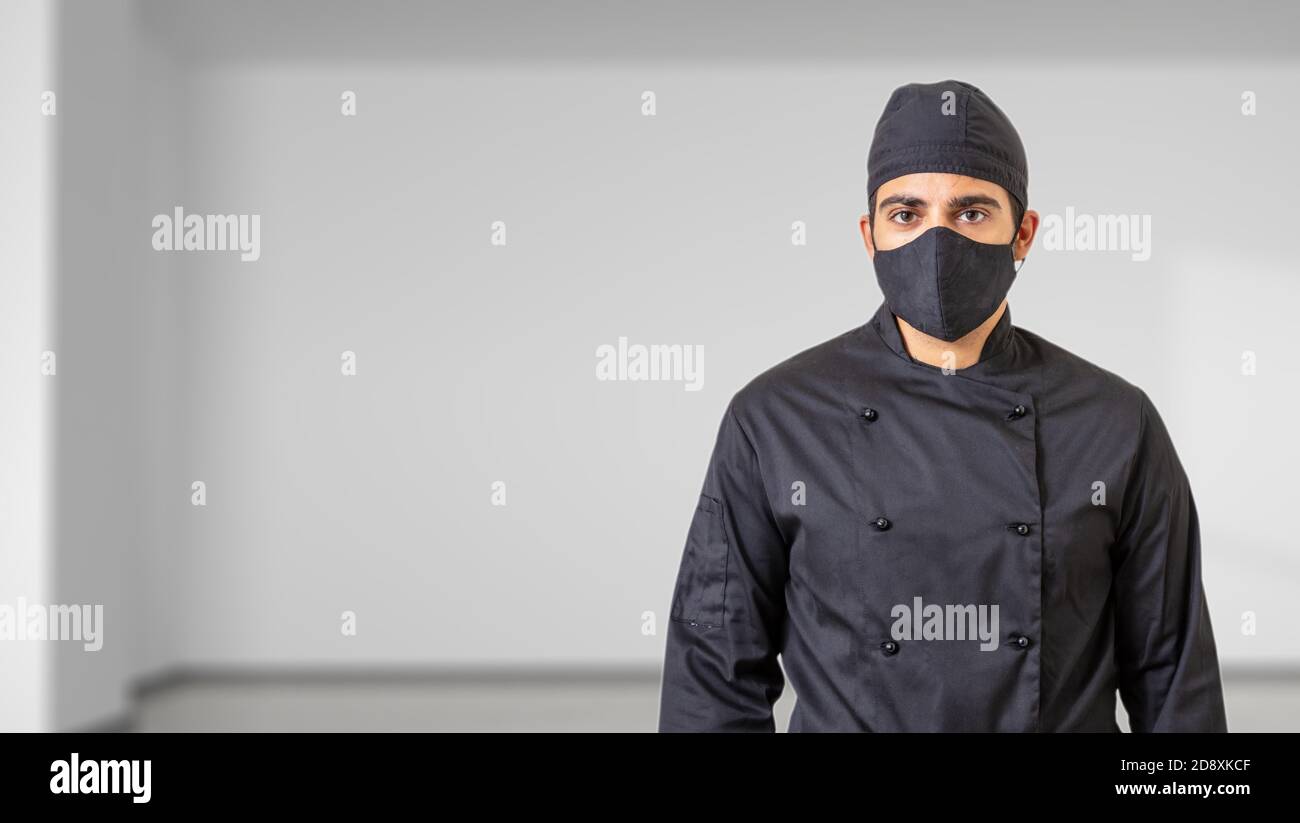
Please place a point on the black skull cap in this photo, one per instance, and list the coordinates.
(950, 127)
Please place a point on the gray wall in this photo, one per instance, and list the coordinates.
(476, 363)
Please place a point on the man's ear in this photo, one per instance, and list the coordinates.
(1025, 234)
(864, 223)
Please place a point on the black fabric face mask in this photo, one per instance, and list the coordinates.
(943, 283)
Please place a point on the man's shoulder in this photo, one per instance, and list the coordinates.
(813, 371)
(1075, 380)
(1070, 379)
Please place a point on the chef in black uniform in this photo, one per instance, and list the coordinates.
(938, 520)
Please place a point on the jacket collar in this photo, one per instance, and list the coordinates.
(994, 344)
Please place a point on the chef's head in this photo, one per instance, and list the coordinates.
(947, 214)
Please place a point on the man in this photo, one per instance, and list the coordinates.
(941, 521)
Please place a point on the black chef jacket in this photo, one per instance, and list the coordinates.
(851, 479)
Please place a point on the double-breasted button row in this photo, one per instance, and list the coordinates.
(1018, 641)
(1018, 411)
(870, 415)
(1022, 529)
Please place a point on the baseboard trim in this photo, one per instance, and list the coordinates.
(499, 676)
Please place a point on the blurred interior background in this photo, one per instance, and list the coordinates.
(373, 494)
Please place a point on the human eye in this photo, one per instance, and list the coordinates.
(903, 217)
(972, 216)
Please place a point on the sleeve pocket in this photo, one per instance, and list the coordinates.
(702, 578)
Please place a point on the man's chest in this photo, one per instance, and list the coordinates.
(947, 489)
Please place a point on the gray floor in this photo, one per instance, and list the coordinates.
(521, 700)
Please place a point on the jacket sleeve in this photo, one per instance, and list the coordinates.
(727, 618)
(1169, 678)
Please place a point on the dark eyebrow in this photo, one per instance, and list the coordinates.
(973, 200)
(914, 202)
(904, 199)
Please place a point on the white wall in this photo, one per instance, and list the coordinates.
(25, 282)
(477, 363)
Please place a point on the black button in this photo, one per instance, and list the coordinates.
(882, 523)
(869, 415)
(1021, 529)
(889, 647)
(1021, 641)
(1017, 413)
